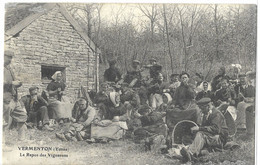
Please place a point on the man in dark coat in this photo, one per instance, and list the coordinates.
(225, 94)
(153, 130)
(212, 133)
(12, 109)
(185, 93)
(216, 80)
(183, 106)
(112, 74)
(36, 108)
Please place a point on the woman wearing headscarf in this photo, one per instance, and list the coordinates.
(55, 90)
(116, 108)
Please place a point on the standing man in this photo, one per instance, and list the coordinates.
(112, 74)
(12, 109)
(36, 108)
(212, 133)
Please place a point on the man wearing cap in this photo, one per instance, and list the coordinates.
(12, 109)
(10, 83)
(212, 133)
(134, 77)
(36, 107)
(155, 68)
(112, 74)
(245, 98)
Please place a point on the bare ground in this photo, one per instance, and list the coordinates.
(119, 152)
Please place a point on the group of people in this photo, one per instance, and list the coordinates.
(33, 110)
(160, 105)
(148, 108)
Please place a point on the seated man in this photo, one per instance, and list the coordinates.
(156, 90)
(183, 106)
(129, 95)
(134, 77)
(83, 115)
(245, 98)
(174, 84)
(224, 94)
(153, 128)
(212, 133)
(36, 107)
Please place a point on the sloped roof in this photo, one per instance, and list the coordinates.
(43, 9)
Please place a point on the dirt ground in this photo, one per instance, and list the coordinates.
(120, 152)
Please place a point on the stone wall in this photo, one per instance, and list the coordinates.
(52, 40)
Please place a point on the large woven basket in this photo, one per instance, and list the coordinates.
(181, 131)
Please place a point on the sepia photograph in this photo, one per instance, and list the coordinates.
(129, 83)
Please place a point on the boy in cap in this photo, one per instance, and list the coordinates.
(212, 133)
(36, 107)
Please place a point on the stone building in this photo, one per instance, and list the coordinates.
(50, 40)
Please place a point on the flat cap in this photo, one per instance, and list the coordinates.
(33, 88)
(153, 59)
(9, 53)
(204, 101)
(136, 61)
(242, 75)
